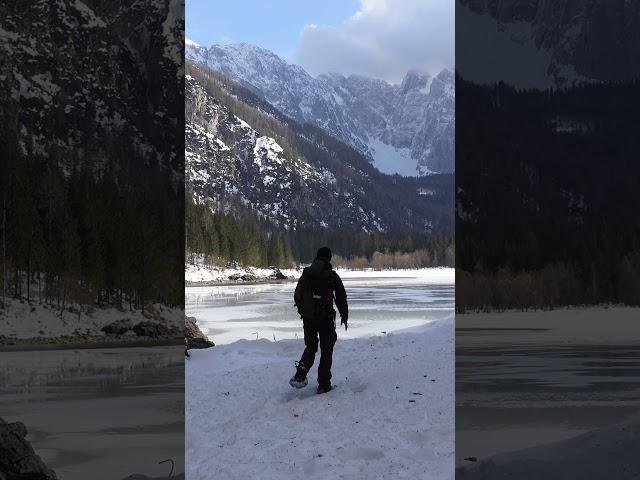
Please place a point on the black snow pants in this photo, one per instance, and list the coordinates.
(326, 330)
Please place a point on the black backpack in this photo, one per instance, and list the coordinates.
(317, 297)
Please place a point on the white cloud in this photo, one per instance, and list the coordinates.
(384, 39)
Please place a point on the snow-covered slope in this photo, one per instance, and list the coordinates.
(234, 166)
(416, 118)
(391, 414)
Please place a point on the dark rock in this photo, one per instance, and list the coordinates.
(191, 329)
(150, 329)
(138, 476)
(119, 327)
(247, 277)
(194, 336)
(199, 343)
(175, 331)
(235, 276)
(17, 457)
(277, 274)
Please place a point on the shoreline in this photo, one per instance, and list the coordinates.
(232, 283)
(71, 343)
(345, 274)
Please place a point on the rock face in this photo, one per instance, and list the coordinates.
(194, 336)
(119, 81)
(413, 120)
(17, 457)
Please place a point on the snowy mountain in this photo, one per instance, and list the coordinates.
(87, 81)
(406, 128)
(245, 156)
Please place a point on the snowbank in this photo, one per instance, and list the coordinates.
(575, 325)
(391, 414)
(610, 452)
(201, 274)
(424, 275)
(21, 320)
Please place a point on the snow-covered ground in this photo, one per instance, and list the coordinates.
(390, 416)
(610, 452)
(389, 159)
(21, 320)
(437, 276)
(197, 273)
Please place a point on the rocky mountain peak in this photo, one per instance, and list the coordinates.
(396, 127)
(414, 80)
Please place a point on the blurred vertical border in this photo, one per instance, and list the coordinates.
(547, 239)
(92, 238)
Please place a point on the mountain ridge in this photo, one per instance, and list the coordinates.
(387, 123)
(245, 156)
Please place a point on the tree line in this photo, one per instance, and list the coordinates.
(220, 239)
(548, 204)
(71, 234)
(360, 249)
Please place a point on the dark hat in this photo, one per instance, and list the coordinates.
(324, 252)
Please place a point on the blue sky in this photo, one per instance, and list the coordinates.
(375, 38)
(272, 24)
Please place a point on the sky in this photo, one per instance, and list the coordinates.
(375, 38)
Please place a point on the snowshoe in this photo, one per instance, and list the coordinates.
(299, 380)
(324, 388)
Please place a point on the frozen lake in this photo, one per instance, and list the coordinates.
(376, 304)
(530, 379)
(99, 413)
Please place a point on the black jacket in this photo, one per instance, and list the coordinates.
(318, 269)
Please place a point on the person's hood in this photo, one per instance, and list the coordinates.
(318, 266)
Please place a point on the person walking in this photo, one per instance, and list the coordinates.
(318, 287)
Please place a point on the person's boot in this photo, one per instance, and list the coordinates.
(299, 380)
(324, 388)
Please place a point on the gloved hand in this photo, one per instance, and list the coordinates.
(343, 321)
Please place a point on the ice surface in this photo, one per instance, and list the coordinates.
(100, 414)
(378, 301)
(533, 379)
